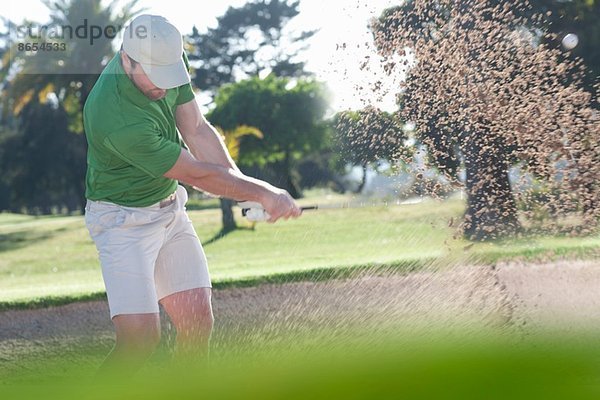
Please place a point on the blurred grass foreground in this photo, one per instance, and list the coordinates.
(429, 366)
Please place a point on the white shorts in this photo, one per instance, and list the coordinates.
(146, 253)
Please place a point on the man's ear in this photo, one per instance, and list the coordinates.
(125, 61)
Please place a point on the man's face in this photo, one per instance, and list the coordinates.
(141, 80)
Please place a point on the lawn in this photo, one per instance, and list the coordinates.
(45, 258)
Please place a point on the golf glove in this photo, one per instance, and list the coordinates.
(254, 211)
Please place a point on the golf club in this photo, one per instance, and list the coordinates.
(255, 212)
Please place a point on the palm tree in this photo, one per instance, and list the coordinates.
(232, 141)
(69, 74)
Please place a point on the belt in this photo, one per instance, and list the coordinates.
(162, 204)
(168, 201)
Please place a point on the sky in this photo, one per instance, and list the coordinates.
(335, 53)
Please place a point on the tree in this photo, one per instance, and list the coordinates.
(59, 81)
(44, 163)
(573, 16)
(289, 114)
(367, 136)
(485, 89)
(247, 41)
(69, 74)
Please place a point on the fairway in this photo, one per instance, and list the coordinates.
(47, 259)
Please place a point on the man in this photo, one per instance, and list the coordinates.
(148, 249)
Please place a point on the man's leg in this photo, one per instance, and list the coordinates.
(191, 313)
(137, 338)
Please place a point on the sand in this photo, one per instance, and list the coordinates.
(562, 295)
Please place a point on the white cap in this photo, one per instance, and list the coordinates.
(157, 45)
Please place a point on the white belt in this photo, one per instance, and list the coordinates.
(161, 204)
(168, 201)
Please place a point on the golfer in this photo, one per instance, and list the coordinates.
(135, 213)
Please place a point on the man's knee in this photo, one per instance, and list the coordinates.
(139, 332)
(207, 319)
(198, 318)
(190, 311)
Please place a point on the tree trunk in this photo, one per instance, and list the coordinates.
(363, 180)
(590, 198)
(288, 183)
(491, 208)
(586, 185)
(227, 215)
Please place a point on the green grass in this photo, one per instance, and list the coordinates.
(436, 365)
(52, 260)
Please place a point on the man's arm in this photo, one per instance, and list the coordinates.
(203, 140)
(229, 182)
(210, 167)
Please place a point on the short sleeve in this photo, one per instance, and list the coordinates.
(144, 148)
(185, 92)
(185, 95)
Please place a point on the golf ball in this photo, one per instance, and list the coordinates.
(570, 41)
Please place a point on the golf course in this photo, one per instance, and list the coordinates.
(368, 283)
(299, 199)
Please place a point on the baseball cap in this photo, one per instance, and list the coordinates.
(157, 45)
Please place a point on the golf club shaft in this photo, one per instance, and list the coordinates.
(257, 213)
(318, 207)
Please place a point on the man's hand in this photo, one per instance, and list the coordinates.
(279, 204)
(230, 183)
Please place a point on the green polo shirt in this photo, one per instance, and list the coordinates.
(132, 140)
